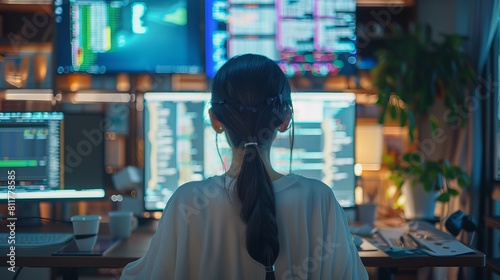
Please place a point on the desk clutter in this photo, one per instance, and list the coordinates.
(34, 239)
(416, 238)
(102, 246)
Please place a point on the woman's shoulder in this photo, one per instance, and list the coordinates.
(207, 188)
(201, 184)
(311, 184)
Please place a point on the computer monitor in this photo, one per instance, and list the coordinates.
(315, 38)
(118, 36)
(179, 143)
(32, 158)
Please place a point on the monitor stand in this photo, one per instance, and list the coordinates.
(27, 214)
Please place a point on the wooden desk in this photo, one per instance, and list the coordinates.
(125, 252)
(381, 259)
(137, 245)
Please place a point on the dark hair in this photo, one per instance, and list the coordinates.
(251, 98)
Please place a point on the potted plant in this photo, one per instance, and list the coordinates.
(425, 182)
(412, 73)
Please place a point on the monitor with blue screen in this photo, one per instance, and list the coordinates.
(119, 36)
(179, 143)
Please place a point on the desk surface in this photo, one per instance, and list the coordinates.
(137, 245)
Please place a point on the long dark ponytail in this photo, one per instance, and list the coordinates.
(251, 98)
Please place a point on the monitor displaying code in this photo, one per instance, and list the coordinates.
(30, 144)
(180, 146)
(305, 37)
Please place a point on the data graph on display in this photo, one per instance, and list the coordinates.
(32, 151)
(179, 143)
(150, 36)
(30, 144)
(309, 37)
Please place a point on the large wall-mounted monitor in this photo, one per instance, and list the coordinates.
(32, 158)
(179, 143)
(120, 36)
(314, 37)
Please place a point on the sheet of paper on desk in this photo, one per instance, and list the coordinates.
(436, 242)
(426, 237)
(441, 247)
(392, 236)
(392, 244)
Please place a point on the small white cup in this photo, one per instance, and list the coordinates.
(121, 223)
(85, 229)
(367, 212)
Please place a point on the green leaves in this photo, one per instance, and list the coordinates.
(412, 72)
(432, 175)
(445, 196)
(453, 192)
(415, 70)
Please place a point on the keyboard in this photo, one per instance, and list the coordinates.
(35, 239)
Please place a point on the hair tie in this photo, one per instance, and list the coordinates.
(250, 144)
(270, 268)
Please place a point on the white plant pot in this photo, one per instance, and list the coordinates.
(420, 204)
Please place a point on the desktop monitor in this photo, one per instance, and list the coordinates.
(179, 143)
(305, 38)
(32, 158)
(118, 36)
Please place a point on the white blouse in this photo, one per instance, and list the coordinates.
(201, 235)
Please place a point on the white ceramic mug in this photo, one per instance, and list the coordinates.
(85, 229)
(121, 223)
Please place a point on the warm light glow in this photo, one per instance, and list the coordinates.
(16, 75)
(122, 82)
(369, 145)
(157, 215)
(40, 65)
(371, 166)
(358, 169)
(102, 97)
(390, 192)
(29, 95)
(366, 98)
(358, 195)
(400, 203)
(395, 131)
